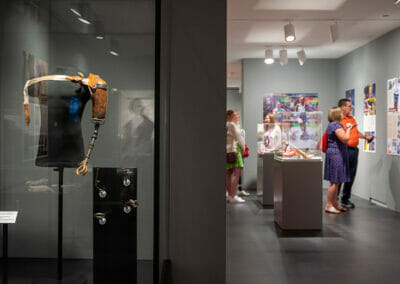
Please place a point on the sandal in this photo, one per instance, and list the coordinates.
(342, 209)
(332, 210)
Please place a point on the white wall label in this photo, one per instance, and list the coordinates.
(8, 217)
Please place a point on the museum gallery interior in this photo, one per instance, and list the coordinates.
(125, 126)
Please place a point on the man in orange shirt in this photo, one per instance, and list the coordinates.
(348, 120)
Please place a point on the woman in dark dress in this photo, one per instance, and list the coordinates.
(336, 159)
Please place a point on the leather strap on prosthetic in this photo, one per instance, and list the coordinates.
(99, 95)
(35, 81)
(83, 168)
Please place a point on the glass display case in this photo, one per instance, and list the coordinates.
(91, 72)
(300, 138)
(260, 138)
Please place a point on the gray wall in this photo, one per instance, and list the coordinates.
(234, 99)
(378, 173)
(194, 103)
(316, 76)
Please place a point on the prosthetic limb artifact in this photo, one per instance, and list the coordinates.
(302, 153)
(99, 96)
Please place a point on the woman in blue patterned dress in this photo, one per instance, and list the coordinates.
(336, 160)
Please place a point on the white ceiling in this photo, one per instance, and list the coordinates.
(254, 25)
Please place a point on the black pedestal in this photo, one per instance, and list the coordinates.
(5, 254)
(115, 248)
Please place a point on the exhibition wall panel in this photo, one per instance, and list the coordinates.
(316, 76)
(193, 103)
(378, 173)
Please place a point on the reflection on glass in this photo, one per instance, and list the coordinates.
(137, 120)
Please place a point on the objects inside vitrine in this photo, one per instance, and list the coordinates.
(124, 188)
(62, 104)
(291, 135)
(126, 181)
(301, 133)
(60, 141)
(39, 185)
(115, 218)
(101, 218)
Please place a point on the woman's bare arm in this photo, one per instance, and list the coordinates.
(343, 135)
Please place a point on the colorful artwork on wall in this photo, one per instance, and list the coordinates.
(279, 103)
(393, 117)
(350, 96)
(370, 116)
(300, 112)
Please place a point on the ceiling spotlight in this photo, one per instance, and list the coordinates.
(84, 21)
(114, 48)
(75, 12)
(269, 56)
(99, 30)
(334, 32)
(302, 57)
(289, 32)
(83, 12)
(397, 2)
(283, 58)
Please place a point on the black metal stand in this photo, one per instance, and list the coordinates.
(73, 279)
(60, 171)
(5, 253)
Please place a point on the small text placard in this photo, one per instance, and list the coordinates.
(8, 217)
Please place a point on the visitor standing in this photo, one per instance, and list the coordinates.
(347, 121)
(235, 145)
(336, 168)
